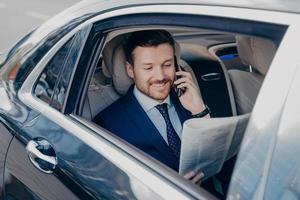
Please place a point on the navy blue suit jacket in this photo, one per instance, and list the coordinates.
(127, 119)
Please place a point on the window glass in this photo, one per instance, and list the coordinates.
(69, 66)
(44, 88)
(53, 83)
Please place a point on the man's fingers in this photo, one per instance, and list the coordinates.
(184, 85)
(189, 175)
(183, 79)
(184, 73)
(193, 176)
(198, 177)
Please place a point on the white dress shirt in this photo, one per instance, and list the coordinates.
(148, 104)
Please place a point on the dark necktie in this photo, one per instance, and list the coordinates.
(173, 138)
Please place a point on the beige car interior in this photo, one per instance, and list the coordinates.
(258, 54)
(113, 68)
(243, 86)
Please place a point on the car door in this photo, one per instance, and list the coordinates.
(46, 160)
(283, 179)
(32, 162)
(54, 156)
(268, 161)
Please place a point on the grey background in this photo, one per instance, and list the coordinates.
(18, 17)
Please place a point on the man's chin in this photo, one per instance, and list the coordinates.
(159, 97)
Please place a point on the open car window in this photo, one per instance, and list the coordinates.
(218, 66)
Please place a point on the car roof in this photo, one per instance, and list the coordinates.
(83, 10)
(88, 8)
(274, 5)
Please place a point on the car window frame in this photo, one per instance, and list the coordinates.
(287, 129)
(83, 34)
(144, 20)
(38, 70)
(59, 73)
(84, 70)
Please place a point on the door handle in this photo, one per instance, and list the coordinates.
(211, 77)
(42, 155)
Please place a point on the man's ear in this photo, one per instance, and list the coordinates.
(129, 70)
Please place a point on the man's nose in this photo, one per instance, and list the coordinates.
(159, 73)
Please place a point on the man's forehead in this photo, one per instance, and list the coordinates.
(166, 48)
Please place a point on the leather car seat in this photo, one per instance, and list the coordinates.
(258, 54)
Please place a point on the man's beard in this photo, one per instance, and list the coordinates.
(151, 91)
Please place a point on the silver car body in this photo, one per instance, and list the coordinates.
(274, 121)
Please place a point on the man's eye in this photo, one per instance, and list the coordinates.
(147, 68)
(167, 65)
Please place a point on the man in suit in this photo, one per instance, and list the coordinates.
(150, 115)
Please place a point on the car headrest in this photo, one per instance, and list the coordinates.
(114, 63)
(257, 52)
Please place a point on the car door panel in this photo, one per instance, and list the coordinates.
(12, 116)
(23, 177)
(283, 180)
(81, 172)
(24, 181)
(6, 137)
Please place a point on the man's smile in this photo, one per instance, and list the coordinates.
(159, 85)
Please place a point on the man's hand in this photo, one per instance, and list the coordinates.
(191, 98)
(195, 177)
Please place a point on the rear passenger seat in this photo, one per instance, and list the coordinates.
(98, 98)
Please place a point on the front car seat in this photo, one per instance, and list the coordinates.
(257, 53)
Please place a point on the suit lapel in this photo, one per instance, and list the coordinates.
(148, 131)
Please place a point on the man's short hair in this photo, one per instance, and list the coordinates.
(146, 38)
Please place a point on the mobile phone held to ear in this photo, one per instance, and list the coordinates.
(179, 91)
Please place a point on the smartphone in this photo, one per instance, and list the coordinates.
(179, 91)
